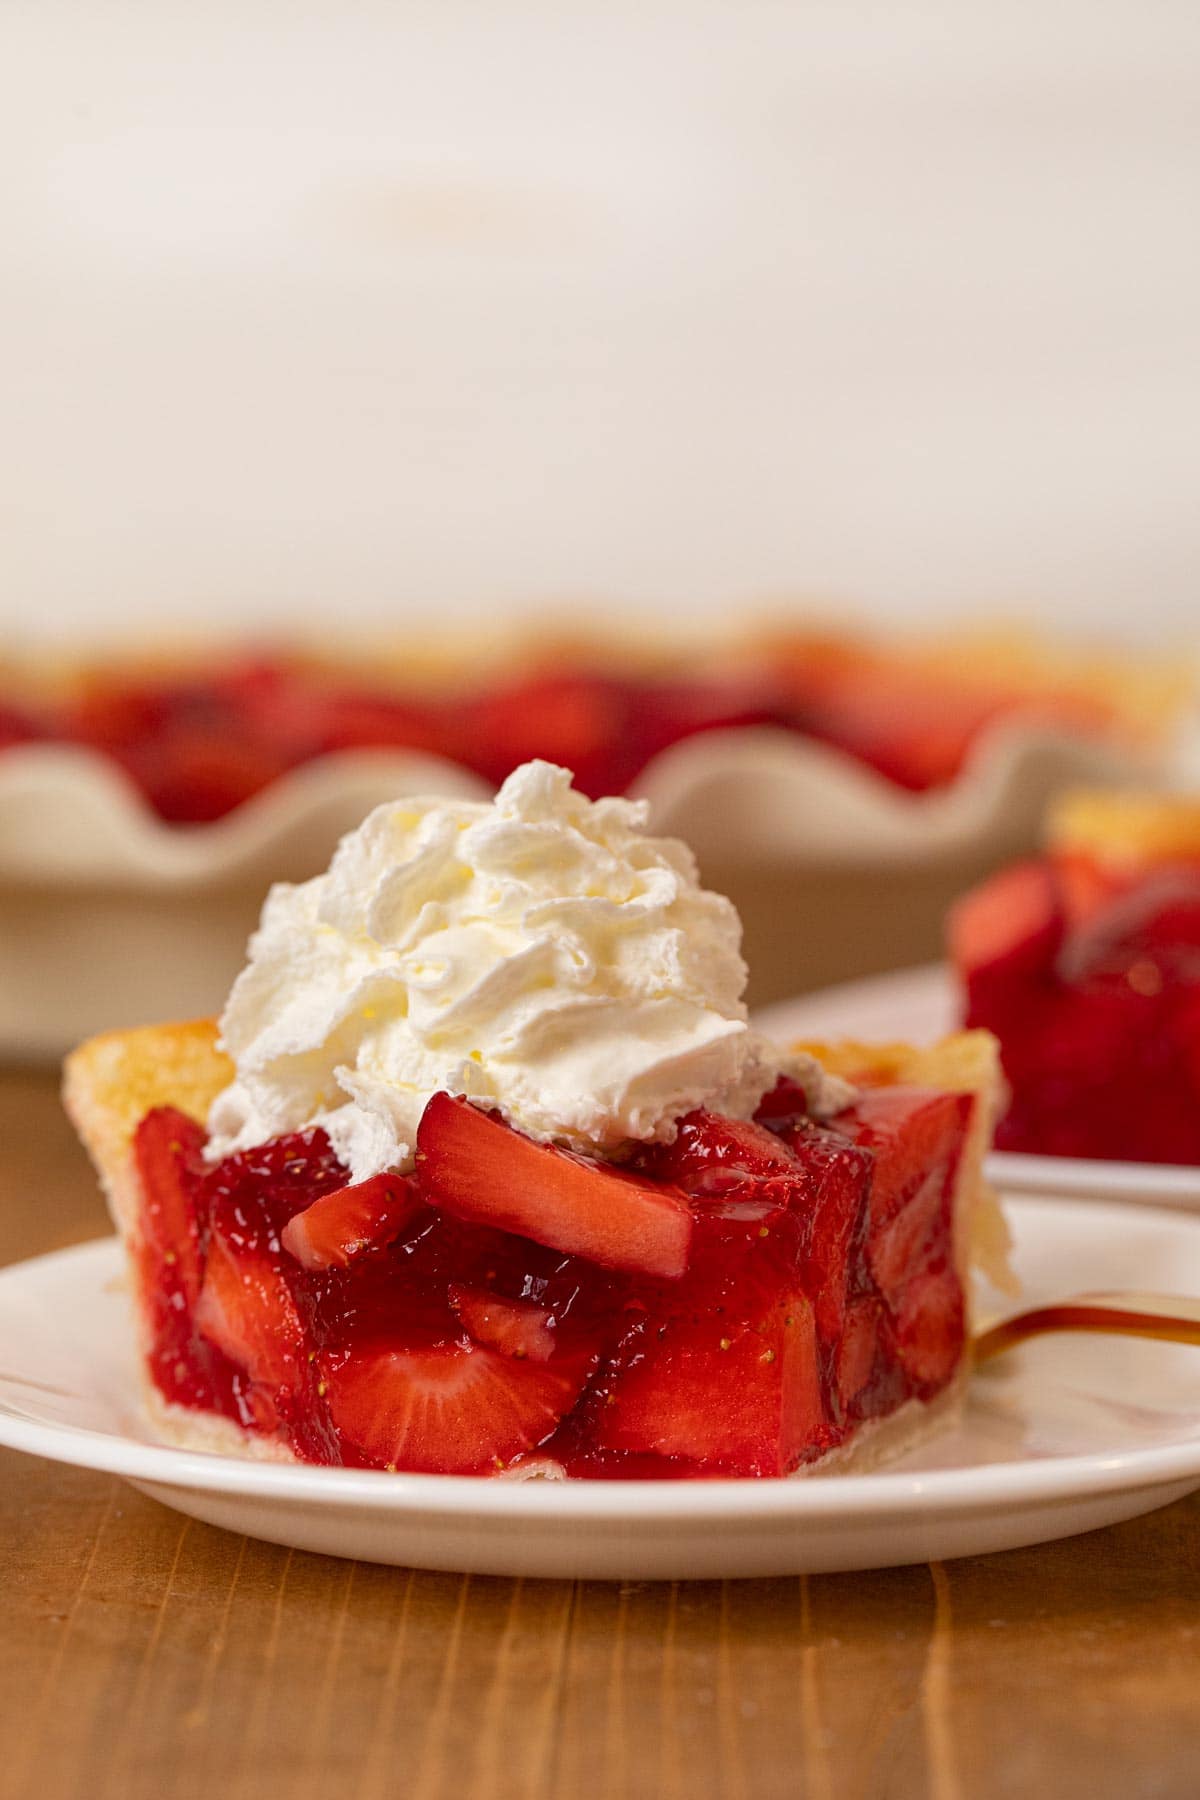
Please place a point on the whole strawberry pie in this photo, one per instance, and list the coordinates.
(1085, 963)
(484, 1170)
(200, 732)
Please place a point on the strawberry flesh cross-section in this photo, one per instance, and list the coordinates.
(344, 1225)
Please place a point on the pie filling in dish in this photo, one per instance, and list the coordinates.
(198, 741)
(464, 1265)
(1085, 964)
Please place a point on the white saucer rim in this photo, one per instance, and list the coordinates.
(1168, 1186)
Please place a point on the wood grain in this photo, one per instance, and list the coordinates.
(147, 1657)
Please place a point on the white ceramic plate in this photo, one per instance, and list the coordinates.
(919, 1005)
(1060, 1437)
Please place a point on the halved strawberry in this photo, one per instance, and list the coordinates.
(712, 1155)
(246, 1307)
(838, 1177)
(475, 1166)
(930, 1327)
(917, 1137)
(513, 1327)
(339, 1227)
(1012, 924)
(168, 1151)
(449, 1408)
(913, 1132)
(917, 1231)
(858, 1350)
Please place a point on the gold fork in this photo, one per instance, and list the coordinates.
(1173, 1318)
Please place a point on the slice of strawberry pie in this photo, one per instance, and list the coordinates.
(487, 1172)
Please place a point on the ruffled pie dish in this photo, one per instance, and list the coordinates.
(110, 915)
(200, 733)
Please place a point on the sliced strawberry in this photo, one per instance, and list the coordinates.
(451, 1408)
(512, 1327)
(339, 1227)
(930, 1327)
(858, 1350)
(168, 1149)
(917, 1137)
(838, 1178)
(914, 1132)
(475, 1166)
(729, 1398)
(916, 1232)
(246, 1307)
(1010, 926)
(712, 1155)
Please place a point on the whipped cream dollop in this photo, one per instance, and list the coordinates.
(541, 954)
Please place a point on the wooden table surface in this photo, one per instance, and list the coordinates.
(147, 1657)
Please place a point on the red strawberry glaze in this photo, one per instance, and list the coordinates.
(816, 1289)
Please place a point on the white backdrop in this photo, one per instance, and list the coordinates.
(463, 303)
